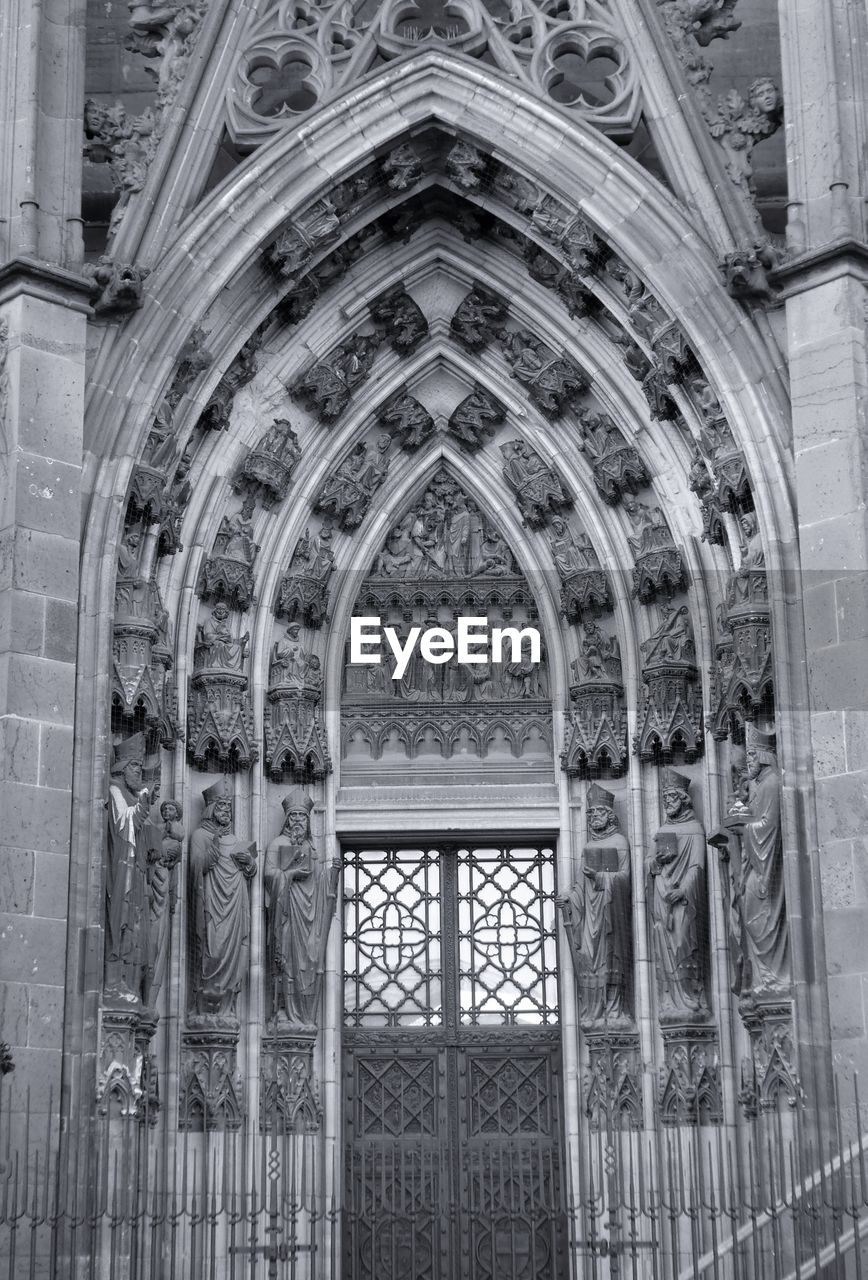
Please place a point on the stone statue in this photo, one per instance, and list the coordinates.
(299, 904)
(216, 647)
(537, 488)
(127, 942)
(553, 382)
(572, 551)
(738, 126)
(165, 854)
(478, 318)
(234, 539)
(346, 495)
(677, 906)
(326, 387)
(473, 421)
(290, 662)
(598, 921)
(402, 318)
(753, 561)
(466, 165)
(131, 588)
(673, 639)
(221, 867)
(599, 655)
(402, 168)
(761, 890)
(407, 419)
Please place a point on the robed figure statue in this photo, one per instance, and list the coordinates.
(221, 867)
(126, 876)
(299, 904)
(597, 919)
(677, 906)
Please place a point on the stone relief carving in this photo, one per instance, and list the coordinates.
(312, 231)
(597, 731)
(295, 737)
(288, 1098)
(703, 20)
(690, 1090)
(402, 319)
(584, 585)
(408, 420)
(613, 1081)
(125, 143)
(221, 867)
(746, 272)
(670, 710)
(743, 676)
(678, 907)
(210, 1090)
(616, 465)
(346, 495)
(142, 690)
(303, 594)
(597, 919)
(220, 721)
(217, 414)
(268, 468)
(538, 489)
(300, 901)
(475, 419)
(402, 168)
(466, 165)
(165, 31)
(658, 567)
(228, 573)
(553, 382)
(738, 125)
(327, 386)
(583, 249)
(479, 318)
(117, 286)
(769, 1077)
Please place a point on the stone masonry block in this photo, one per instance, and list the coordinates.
(818, 604)
(851, 606)
(61, 630)
(50, 885)
(22, 622)
(837, 875)
(830, 477)
(45, 563)
(41, 688)
(51, 393)
(32, 950)
(838, 543)
(35, 817)
(846, 931)
(16, 880)
(19, 749)
(14, 1000)
(837, 676)
(45, 1022)
(47, 495)
(55, 755)
(842, 807)
(845, 1007)
(827, 736)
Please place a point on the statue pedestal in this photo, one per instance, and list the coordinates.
(287, 1099)
(211, 1095)
(690, 1078)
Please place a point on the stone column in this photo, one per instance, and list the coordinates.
(825, 63)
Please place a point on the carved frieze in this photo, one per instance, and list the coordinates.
(596, 736)
(553, 382)
(346, 494)
(474, 421)
(327, 386)
(295, 736)
(401, 318)
(658, 566)
(616, 465)
(670, 710)
(228, 572)
(314, 230)
(690, 1089)
(211, 1095)
(479, 318)
(220, 720)
(538, 489)
(303, 594)
(408, 420)
(584, 585)
(268, 468)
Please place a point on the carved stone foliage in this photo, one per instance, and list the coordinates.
(597, 919)
(216, 416)
(690, 1090)
(295, 737)
(553, 382)
(310, 233)
(670, 711)
(327, 386)
(125, 143)
(228, 573)
(210, 1094)
(288, 1101)
(117, 286)
(402, 319)
(658, 567)
(702, 20)
(268, 468)
(221, 866)
(300, 896)
(303, 594)
(525, 44)
(479, 318)
(613, 1081)
(165, 34)
(538, 489)
(346, 494)
(616, 465)
(466, 165)
(738, 125)
(408, 420)
(768, 1077)
(584, 585)
(142, 690)
(596, 737)
(220, 720)
(678, 908)
(474, 421)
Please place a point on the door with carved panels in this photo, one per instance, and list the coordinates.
(451, 1060)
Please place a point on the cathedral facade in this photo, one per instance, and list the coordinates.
(529, 942)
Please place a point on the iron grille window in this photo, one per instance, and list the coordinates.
(450, 933)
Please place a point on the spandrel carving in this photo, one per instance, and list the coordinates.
(408, 421)
(474, 421)
(303, 594)
(670, 712)
(538, 489)
(268, 468)
(327, 387)
(479, 318)
(658, 567)
(584, 585)
(228, 573)
(616, 465)
(553, 382)
(597, 919)
(402, 319)
(346, 495)
(220, 870)
(678, 907)
(300, 897)
(596, 737)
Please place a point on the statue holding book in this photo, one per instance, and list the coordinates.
(597, 919)
(677, 906)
